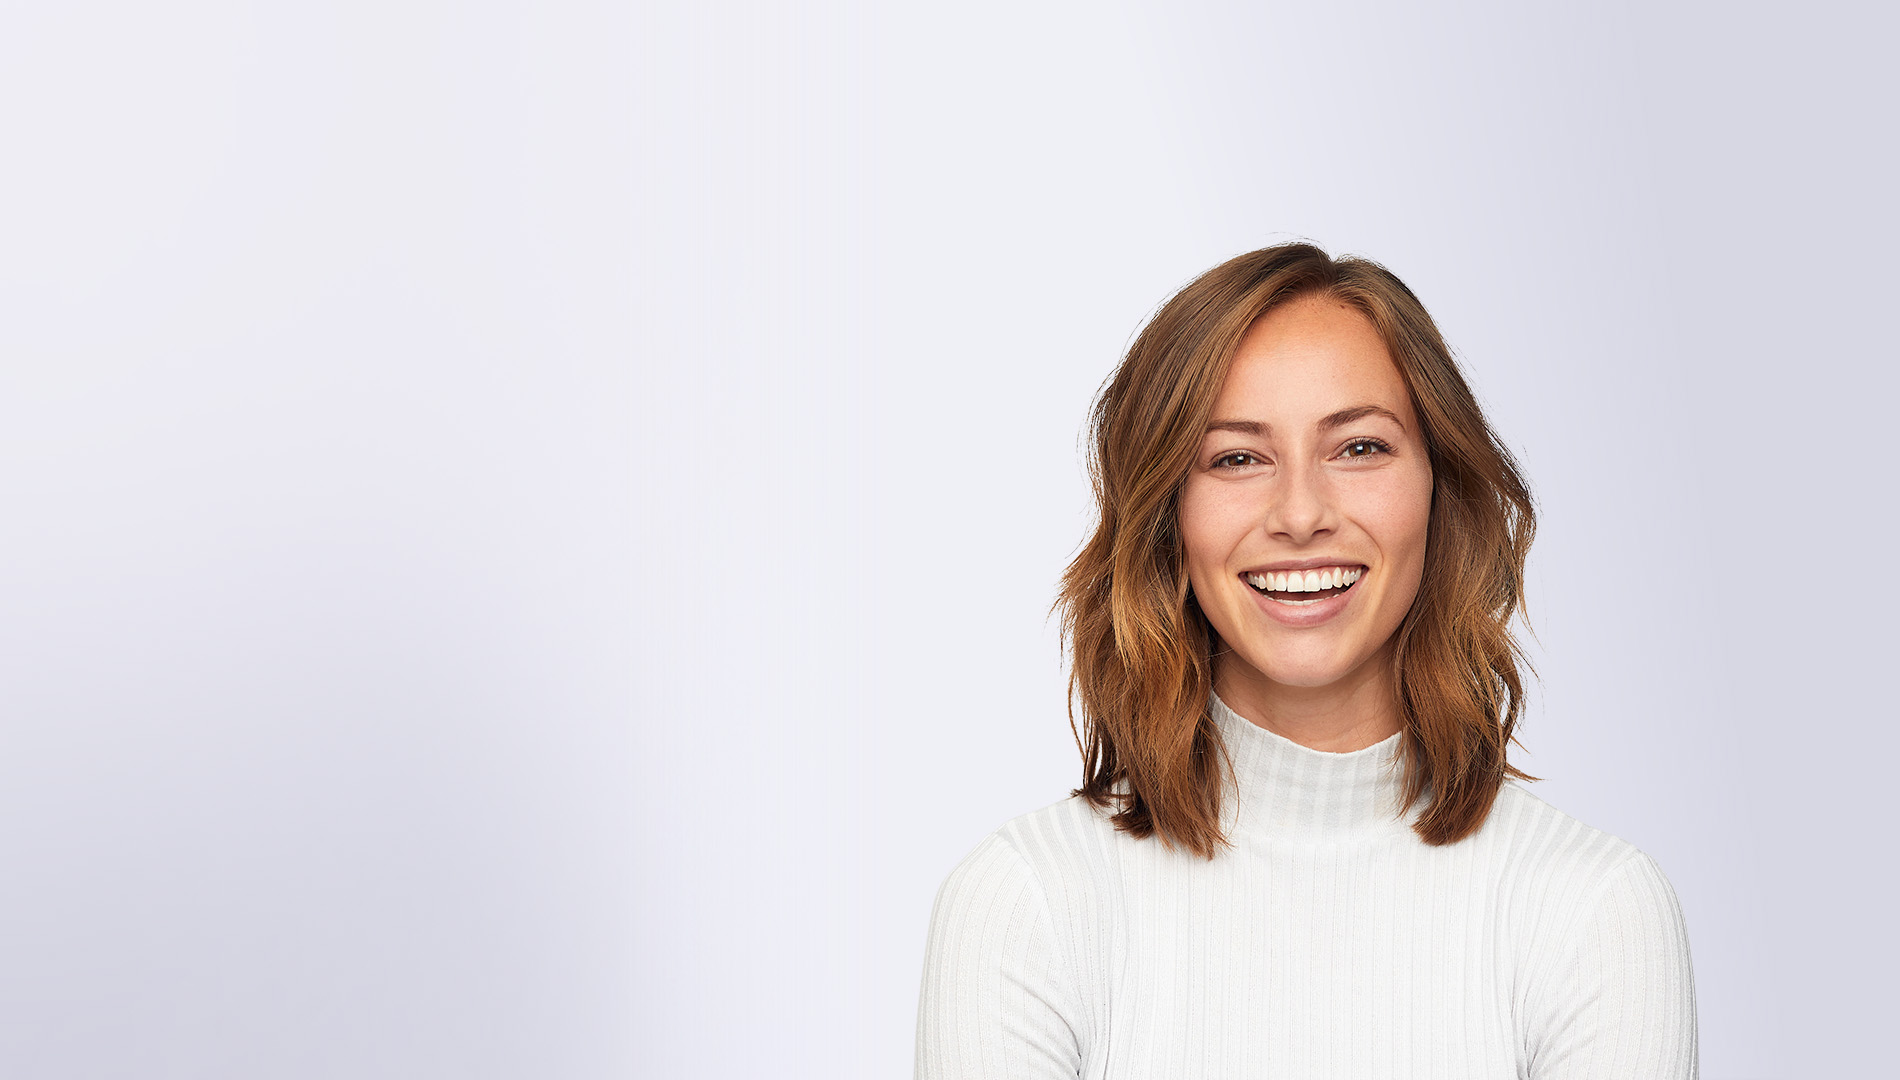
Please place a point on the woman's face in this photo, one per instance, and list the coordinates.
(1305, 513)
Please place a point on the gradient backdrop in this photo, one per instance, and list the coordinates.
(529, 528)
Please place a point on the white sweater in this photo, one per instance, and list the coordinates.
(1329, 942)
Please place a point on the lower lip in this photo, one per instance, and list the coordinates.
(1312, 613)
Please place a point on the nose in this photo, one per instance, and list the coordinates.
(1301, 507)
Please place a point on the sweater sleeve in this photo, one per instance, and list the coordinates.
(1619, 999)
(997, 997)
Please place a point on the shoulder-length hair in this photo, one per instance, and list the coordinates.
(1140, 647)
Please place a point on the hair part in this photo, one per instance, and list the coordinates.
(1141, 649)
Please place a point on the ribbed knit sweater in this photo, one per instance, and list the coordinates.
(1328, 942)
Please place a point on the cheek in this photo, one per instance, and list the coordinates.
(1399, 517)
(1204, 530)
(1408, 524)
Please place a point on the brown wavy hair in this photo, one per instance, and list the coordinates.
(1140, 647)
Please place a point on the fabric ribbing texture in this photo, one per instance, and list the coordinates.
(1328, 942)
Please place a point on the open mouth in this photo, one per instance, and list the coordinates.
(1303, 587)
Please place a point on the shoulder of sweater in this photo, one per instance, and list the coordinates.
(1065, 851)
(1551, 853)
(1059, 860)
(1577, 894)
(1064, 838)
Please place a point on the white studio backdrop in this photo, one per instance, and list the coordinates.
(531, 527)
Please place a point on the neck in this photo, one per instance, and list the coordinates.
(1286, 791)
(1347, 714)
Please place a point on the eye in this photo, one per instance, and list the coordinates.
(1359, 448)
(1235, 459)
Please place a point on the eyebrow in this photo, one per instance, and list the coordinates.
(1331, 420)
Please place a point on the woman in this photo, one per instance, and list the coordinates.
(1299, 850)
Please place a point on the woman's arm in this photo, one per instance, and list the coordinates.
(997, 991)
(1618, 998)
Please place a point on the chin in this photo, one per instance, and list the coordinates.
(1307, 677)
(1320, 668)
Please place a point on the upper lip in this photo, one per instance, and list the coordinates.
(1301, 564)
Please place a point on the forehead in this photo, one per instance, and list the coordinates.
(1308, 358)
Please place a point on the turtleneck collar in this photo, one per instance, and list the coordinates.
(1293, 792)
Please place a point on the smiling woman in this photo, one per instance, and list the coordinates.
(1299, 848)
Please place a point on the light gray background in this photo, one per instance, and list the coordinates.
(529, 527)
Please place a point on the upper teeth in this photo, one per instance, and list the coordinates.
(1328, 577)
